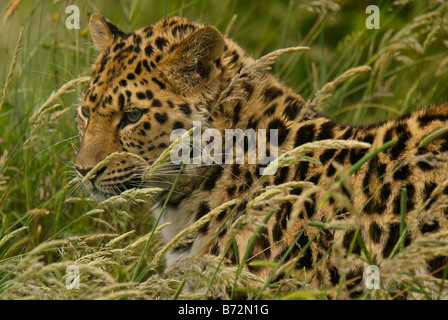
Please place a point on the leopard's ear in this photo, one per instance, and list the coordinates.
(195, 60)
(103, 32)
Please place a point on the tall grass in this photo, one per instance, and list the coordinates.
(47, 224)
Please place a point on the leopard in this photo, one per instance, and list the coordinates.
(167, 75)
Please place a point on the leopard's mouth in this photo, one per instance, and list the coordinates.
(102, 188)
(102, 194)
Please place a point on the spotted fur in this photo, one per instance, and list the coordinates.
(166, 75)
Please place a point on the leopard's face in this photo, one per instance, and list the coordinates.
(144, 85)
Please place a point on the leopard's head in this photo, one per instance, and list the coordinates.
(144, 85)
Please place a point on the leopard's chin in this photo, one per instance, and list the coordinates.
(101, 196)
(96, 193)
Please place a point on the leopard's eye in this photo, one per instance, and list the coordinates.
(133, 116)
(85, 112)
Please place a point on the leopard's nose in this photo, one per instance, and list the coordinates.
(82, 171)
